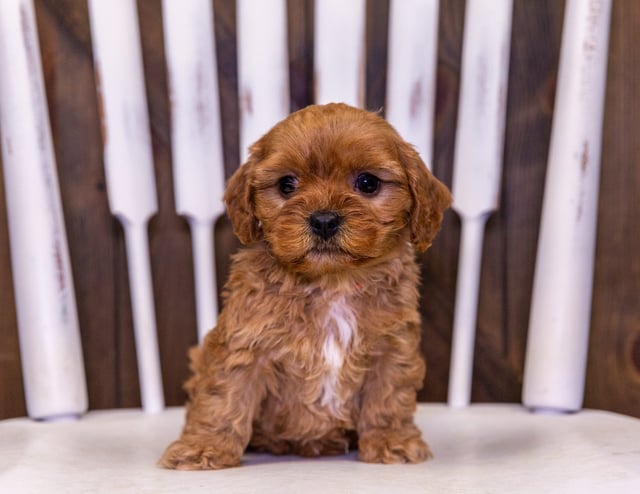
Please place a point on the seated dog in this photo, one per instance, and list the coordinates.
(317, 348)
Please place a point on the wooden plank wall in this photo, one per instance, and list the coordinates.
(96, 240)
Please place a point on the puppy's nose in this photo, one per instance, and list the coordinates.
(325, 224)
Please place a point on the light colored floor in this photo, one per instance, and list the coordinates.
(483, 449)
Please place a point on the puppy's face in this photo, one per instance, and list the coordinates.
(331, 188)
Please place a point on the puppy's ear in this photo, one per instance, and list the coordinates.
(430, 198)
(238, 198)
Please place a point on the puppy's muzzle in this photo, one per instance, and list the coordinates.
(325, 224)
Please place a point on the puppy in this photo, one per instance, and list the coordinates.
(317, 348)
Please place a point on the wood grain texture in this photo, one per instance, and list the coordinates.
(97, 245)
(614, 355)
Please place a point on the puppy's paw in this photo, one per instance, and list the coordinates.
(185, 455)
(393, 446)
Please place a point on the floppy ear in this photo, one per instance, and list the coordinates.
(430, 198)
(238, 198)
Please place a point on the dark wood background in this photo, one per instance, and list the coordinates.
(96, 239)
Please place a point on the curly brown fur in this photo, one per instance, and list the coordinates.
(317, 347)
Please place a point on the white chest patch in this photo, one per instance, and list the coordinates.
(341, 327)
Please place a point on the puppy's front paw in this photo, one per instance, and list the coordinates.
(186, 455)
(393, 446)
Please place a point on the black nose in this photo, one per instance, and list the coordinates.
(325, 224)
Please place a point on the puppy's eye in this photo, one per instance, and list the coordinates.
(367, 184)
(287, 185)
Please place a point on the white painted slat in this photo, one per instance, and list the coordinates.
(477, 168)
(129, 169)
(196, 139)
(339, 51)
(411, 72)
(559, 322)
(483, 96)
(51, 353)
(263, 68)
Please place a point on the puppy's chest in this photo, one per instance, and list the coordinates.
(321, 365)
(339, 330)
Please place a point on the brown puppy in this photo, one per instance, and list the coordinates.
(317, 347)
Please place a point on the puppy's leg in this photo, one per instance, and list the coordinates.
(222, 406)
(386, 430)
